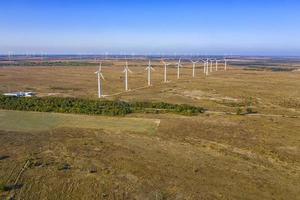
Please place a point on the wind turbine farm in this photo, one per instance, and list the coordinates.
(119, 100)
(126, 81)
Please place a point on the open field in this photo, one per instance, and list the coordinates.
(215, 155)
(266, 91)
(34, 121)
(210, 157)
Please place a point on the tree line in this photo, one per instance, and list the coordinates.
(93, 107)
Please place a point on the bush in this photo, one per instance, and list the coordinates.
(4, 188)
(162, 107)
(64, 166)
(239, 111)
(249, 110)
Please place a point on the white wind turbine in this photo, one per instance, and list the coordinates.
(165, 70)
(100, 76)
(126, 70)
(149, 68)
(194, 66)
(211, 65)
(207, 69)
(178, 68)
(205, 66)
(217, 64)
(10, 55)
(225, 64)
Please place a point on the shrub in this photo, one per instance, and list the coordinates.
(249, 110)
(4, 188)
(64, 166)
(239, 111)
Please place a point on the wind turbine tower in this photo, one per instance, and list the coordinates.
(165, 71)
(194, 66)
(149, 69)
(178, 68)
(206, 68)
(126, 70)
(99, 76)
(211, 65)
(10, 55)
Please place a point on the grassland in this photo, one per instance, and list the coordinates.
(268, 92)
(215, 155)
(36, 121)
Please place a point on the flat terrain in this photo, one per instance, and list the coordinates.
(216, 155)
(34, 121)
(267, 91)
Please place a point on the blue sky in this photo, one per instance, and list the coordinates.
(246, 27)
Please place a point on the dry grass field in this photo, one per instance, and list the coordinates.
(216, 155)
(268, 92)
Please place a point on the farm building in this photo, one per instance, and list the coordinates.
(20, 94)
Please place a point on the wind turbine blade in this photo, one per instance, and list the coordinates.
(130, 71)
(102, 76)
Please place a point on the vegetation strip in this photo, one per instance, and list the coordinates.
(93, 107)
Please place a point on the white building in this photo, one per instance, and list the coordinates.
(20, 94)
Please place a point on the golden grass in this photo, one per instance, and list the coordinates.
(210, 156)
(268, 92)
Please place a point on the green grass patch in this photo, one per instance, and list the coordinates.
(39, 121)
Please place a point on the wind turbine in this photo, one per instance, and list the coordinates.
(217, 64)
(178, 68)
(205, 66)
(100, 76)
(10, 55)
(126, 70)
(225, 64)
(211, 65)
(165, 70)
(194, 66)
(149, 68)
